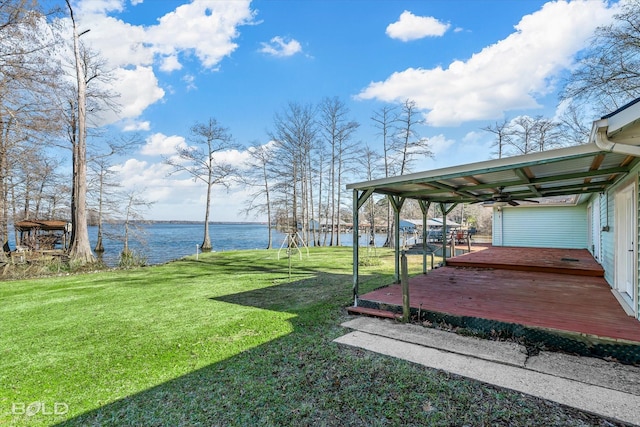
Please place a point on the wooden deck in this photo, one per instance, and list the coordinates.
(547, 260)
(561, 296)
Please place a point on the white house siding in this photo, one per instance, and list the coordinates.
(496, 228)
(544, 226)
(607, 237)
(594, 239)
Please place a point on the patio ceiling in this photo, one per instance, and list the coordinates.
(567, 171)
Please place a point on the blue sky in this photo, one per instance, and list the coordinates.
(466, 64)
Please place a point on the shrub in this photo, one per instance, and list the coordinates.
(130, 259)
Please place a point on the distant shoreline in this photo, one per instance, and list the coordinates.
(185, 222)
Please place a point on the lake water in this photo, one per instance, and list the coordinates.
(163, 242)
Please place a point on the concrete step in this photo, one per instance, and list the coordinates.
(608, 389)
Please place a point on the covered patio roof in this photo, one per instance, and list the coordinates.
(612, 151)
(566, 171)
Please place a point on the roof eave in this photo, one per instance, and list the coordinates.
(484, 166)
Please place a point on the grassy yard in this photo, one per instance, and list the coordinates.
(229, 339)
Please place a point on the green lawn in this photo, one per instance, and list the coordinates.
(229, 339)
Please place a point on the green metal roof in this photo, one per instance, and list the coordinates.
(566, 171)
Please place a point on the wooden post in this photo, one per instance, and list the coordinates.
(445, 211)
(453, 243)
(424, 241)
(424, 206)
(406, 308)
(443, 208)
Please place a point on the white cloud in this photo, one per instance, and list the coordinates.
(502, 77)
(159, 144)
(233, 157)
(138, 88)
(179, 196)
(439, 144)
(473, 147)
(411, 27)
(156, 180)
(135, 125)
(119, 43)
(190, 81)
(98, 6)
(170, 63)
(206, 28)
(202, 29)
(134, 90)
(474, 137)
(281, 47)
(130, 171)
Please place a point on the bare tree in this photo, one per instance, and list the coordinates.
(407, 143)
(548, 134)
(203, 162)
(27, 77)
(310, 173)
(76, 104)
(406, 147)
(322, 207)
(523, 131)
(384, 121)
(35, 173)
(478, 216)
(574, 125)
(257, 175)
(369, 162)
(134, 206)
(609, 70)
(54, 203)
(102, 185)
(295, 132)
(80, 250)
(526, 134)
(337, 130)
(502, 134)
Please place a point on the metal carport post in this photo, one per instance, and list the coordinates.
(358, 201)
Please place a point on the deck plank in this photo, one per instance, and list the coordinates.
(550, 260)
(375, 312)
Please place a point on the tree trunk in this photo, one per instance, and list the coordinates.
(80, 251)
(269, 243)
(332, 178)
(126, 253)
(99, 246)
(4, 188)
(206, 242)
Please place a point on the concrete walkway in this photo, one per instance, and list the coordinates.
(593, 385)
